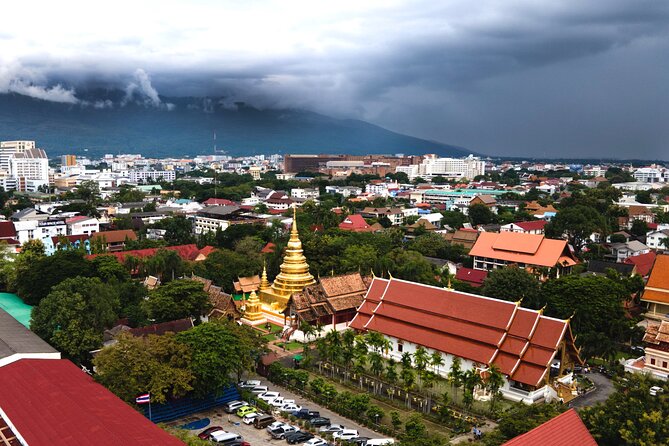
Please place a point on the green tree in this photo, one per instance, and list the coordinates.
(631, 415)
(109, 269)
(37, 275)
(599, 319)
(360, 258)
(178, 230)
(639, 228)
(577, 223)
(453, 219)
(74, 315)
(480, 214)
(223, 267)
(493, 384)
(219, 350)
(513, 284)
(455, 374)
(176, 300)
(156, 364)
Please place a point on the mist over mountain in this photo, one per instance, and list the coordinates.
(113, 121)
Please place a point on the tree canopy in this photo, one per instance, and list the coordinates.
(176, 300)
(513, 284)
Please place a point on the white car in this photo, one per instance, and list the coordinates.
(268, 396)
(346, 434)
(316, 442)
(331, 429)
(249, 417)
(274, 425)
(290, 407)
(249, 384)
(280, 402)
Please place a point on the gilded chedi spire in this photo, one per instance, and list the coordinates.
(264, 283)
(294, 275)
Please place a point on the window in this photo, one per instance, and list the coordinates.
(400, 346)
(652, 361)
(664, 364)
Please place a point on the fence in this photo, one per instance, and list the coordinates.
(186, 406)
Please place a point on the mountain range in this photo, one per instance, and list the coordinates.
(107, 121)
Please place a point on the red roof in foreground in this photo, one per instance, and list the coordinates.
(566, 429)
(7, 230)
(644, 263)
(52, 402)
(472, 276)
(521, 342)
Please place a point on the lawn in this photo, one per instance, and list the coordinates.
(290, 346)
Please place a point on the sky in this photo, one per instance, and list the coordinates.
(567, 78)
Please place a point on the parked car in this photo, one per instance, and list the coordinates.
(346, 434)
(205, 433)
(224, 437)
(259, 389)
(638, 350)
(238, 443)
(249, 384)
(316, 442)
(379, 442)
(281, 431)
(268, 396)
(331, 429)
(299, 437)
(274, 425)
(319, 421)
(655, 390)
(280, 401)
(233, 406)
(306, 414)
(249, 417)
(244, 410)
(290, 407)
(263, 421)
(359, 441)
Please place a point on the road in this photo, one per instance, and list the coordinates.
(604, 389)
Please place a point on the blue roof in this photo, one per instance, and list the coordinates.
(13, 305)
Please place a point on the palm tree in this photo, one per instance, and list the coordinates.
(348, 349)
(471, 378)
(421, 358)
(408, 380)
(455, 374)
(391, 374)
(406, 361)
(376, 363)
(436, 360)
(493, 384)
(334, 347)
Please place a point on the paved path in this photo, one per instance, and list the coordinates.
(604, 389)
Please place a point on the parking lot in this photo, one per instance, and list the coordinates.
(232, 423)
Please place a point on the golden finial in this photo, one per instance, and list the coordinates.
(448, 286)
(570, 317)
(518, 302)
(390, 275)
(372, 271)
(542, 309)
(264, 283)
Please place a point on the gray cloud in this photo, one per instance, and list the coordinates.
(517, 77)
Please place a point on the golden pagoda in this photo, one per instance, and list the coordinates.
(294, 275)
(253, 310)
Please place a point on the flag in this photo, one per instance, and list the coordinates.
(143, 399)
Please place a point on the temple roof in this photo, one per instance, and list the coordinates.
(521, 342)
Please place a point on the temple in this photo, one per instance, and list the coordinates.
(272, 298)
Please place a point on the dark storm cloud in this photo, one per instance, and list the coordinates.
(516, 77)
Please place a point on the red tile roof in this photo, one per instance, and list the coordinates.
(521, 342)
(269, 248)
(535, 225)
(474, 277)
(643, 263)
(51, 401)
(566, 429)
(218, 202)
(116, 236)
(7, 230)
(355, 223)
(186, 252)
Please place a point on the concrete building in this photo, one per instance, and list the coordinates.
(9, 148)
(455, 168)
(30, 168)
(136, 176)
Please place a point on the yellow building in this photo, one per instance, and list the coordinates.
(294, 276)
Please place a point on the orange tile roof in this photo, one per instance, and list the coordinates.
(516, 247)
(521, 342)
(566, 429)
(657, 288)
(643, 263)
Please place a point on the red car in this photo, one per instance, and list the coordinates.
(204, 435)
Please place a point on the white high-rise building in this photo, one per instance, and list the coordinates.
(30, 169)
(455, 168)
(9, 148)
